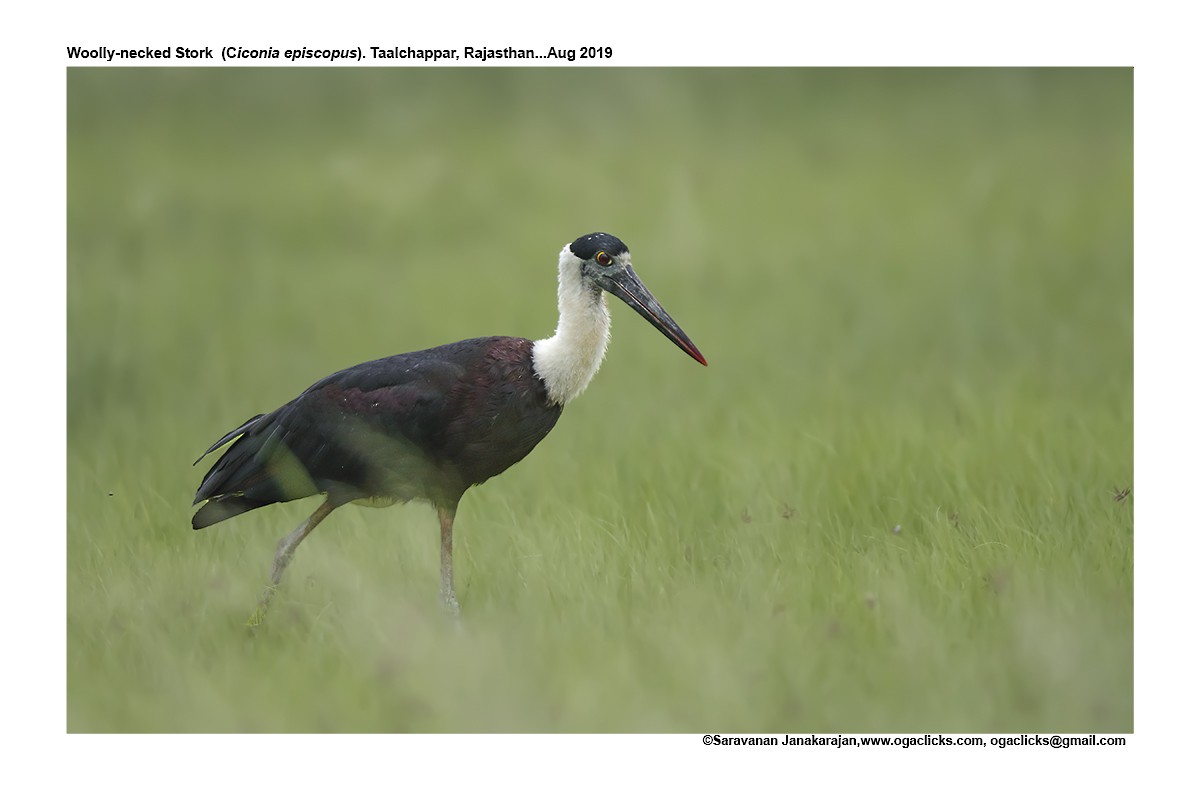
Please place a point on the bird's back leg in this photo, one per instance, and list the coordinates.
(446, 518)
(283, 556)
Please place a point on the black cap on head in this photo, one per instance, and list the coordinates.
(586, 247)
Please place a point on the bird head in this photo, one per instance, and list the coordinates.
(606, 264)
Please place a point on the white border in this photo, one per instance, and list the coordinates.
(1154, 38)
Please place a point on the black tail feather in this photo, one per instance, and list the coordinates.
(233, 434)
(241, 467)
(222, 508)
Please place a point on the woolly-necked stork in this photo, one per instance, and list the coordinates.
(429, 424)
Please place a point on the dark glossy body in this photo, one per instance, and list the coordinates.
(428, 424)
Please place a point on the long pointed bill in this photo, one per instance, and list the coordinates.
(629, 287)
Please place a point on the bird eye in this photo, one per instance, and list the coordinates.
(603, 259)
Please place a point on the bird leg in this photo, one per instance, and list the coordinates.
(446, 518)
(283, 556)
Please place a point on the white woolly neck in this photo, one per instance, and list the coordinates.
(567, 361)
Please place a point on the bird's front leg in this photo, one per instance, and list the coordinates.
(449, 600)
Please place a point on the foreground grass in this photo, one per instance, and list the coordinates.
(888, 505)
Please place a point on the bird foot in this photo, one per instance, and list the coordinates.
(260, 613)
(257, 618)
(450, 603)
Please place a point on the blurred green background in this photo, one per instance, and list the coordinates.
(891, 502)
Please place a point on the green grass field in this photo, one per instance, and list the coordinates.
(914, 289)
